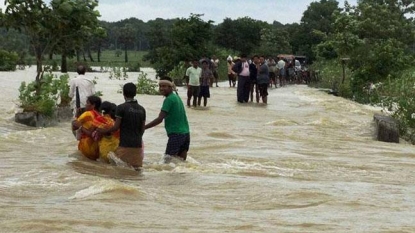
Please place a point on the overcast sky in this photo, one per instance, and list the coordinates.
(284, 11)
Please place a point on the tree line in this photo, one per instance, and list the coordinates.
(374, 39)
(377, 35)
(72, 29)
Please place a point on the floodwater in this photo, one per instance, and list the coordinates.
(306, 162)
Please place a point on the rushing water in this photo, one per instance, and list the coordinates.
(306, 162)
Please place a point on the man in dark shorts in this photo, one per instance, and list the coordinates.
(193, 87)
(263, 79)
(272, 66)
(253, 75)
(130, 119)
(215, 66)
(175, 121)
(205, 79)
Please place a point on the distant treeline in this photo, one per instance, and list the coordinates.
(372, 42)
(243, 35)
(376, 46)
(135, 34)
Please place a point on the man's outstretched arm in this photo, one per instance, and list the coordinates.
(156, 121)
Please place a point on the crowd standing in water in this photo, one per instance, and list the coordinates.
(259, 73)
(249, 76)
(108, 132)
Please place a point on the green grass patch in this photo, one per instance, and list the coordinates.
(110, 57)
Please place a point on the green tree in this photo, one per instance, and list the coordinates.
(36, 20)
(274, 42)
(8, 60)
(137, 29)
(376, 35)
(189, 38)
(228, 34)
(316, 24)
(345, 35)
(49, 27)
(98, 40)
(77, 24)
(192, 36)
(127, 37)
(159, 36)
(13, 40)
(225, 35)
(383, 19)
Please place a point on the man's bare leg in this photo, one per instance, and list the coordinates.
(183, 155)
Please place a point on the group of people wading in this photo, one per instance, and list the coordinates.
(251, 76)
(258, 74)
(199, 77)
(110, 133)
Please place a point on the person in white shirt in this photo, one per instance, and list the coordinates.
(281, 71)
(86, 87)
(193, 74)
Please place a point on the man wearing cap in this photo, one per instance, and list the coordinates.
(175, 121)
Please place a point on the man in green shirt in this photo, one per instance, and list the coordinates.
(175, 121)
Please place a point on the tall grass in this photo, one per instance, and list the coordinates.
(330, 76)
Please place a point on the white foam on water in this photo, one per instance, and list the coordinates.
(104, 187)
(169, 163)
(253, 168)
(114, 160)
(11, 182)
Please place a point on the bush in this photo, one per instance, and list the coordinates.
(72, 67)
(344, 90)
(118, 73)
(398, 96)
(118, 52)
(43, 96)
(223, 68)
(374, 62)
(331, 75)
(133, 66)
(146, 85)
(178, 73)
(60, 87)
(8, 60)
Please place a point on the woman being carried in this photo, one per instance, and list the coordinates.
(87, 145)
(108, 142)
